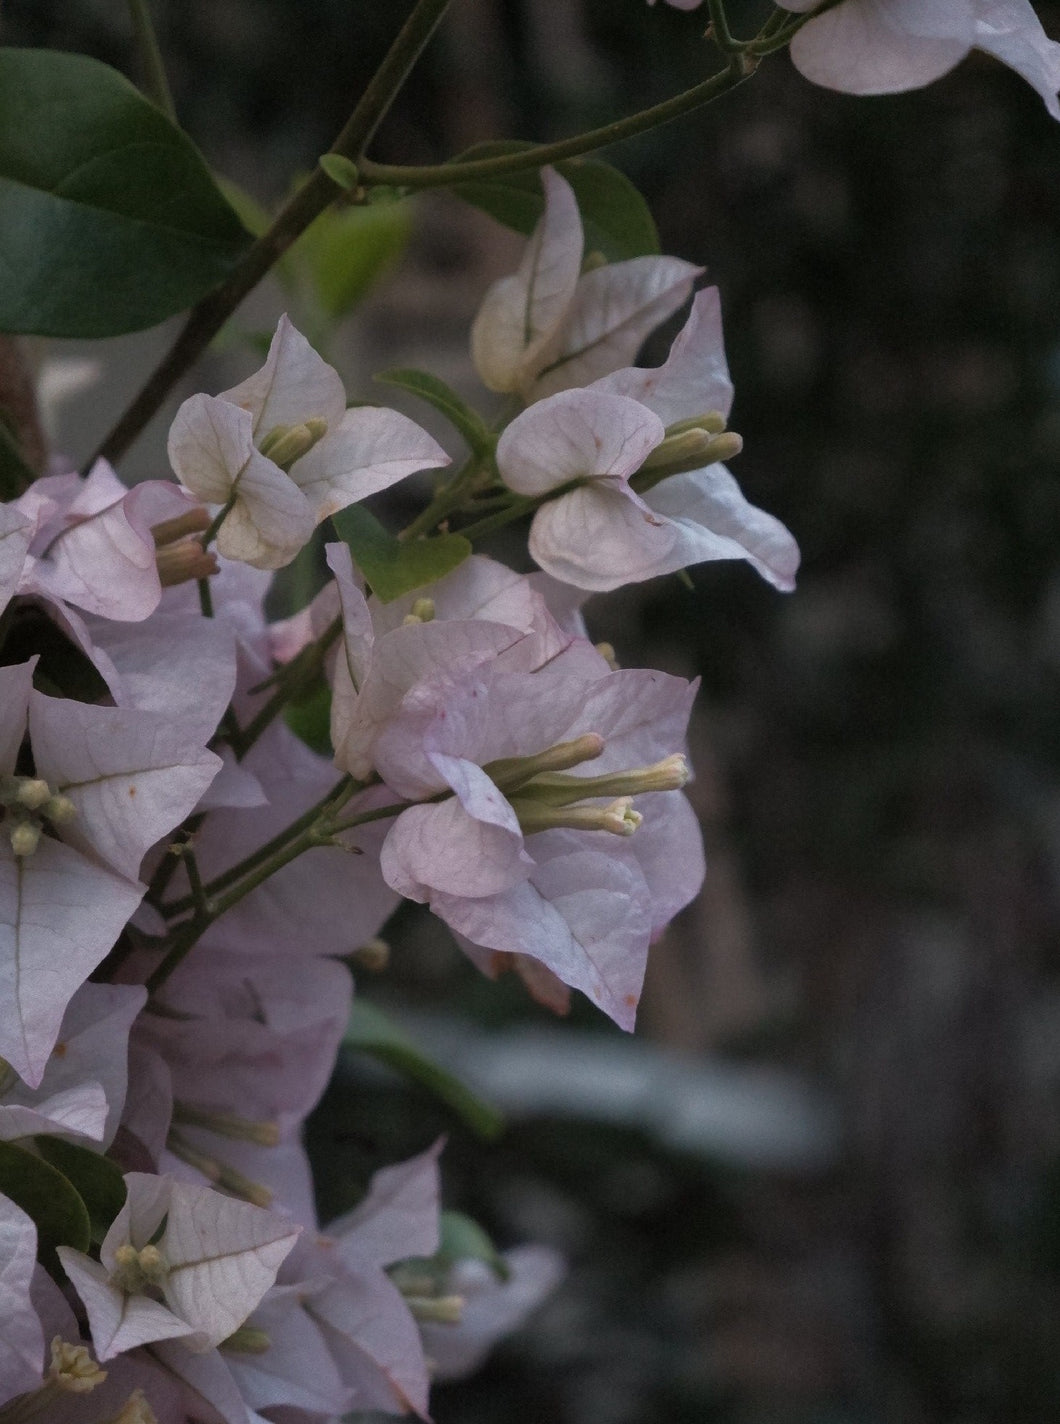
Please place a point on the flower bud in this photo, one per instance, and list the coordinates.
(436, 1310)
(712, 421)
(226, 1124)
(690, 450)
(183, 562)
(558, 789)
(135, 1410)
(59, 809)
(619, 817)
(373, 955)
(284, 444)
(25, 837)
(508, 773)
(196, 521)
(32, 793)
(247, 1340)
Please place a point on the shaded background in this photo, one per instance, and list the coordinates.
(845, 1206)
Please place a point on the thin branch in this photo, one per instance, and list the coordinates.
(445, 174)
(206, 319)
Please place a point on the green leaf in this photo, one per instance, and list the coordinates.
(444, 399)
(347, 250)
(309, 718)
(371, 1031)
(47, 1196)
(96, 1179)
(615, 217)
(391, 567)
(109, 218)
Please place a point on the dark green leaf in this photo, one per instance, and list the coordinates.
(96, 1179)
(309, 718)
(393, 568)
(48, 1197)
(444, 399)
(109, 218)
(371, 1031)
(615, 217)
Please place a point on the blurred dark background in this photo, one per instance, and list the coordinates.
(872, 968)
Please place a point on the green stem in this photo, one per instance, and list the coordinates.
(318, 191)
(314, 828)
(448, 499)
(308, 664)
(719, 28)
(334, 799)
(445, 174)
(156, 85)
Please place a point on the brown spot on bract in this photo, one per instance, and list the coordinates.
(631, 1001)
(132, 790)
(59, 1051)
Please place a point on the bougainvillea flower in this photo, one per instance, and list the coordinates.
(480, 612)
(92, 545)
(82, 1092)
(603, 533)
(550, 326)
(107, 783)
(886, 46)
(285, 451)
(197, 1279)
(493, 1307)
(515, 876)
(345, 1338)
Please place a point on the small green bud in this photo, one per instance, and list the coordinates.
(341, 170)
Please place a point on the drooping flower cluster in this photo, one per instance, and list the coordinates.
(183, 876)
(887, 46)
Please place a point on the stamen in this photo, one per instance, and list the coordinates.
(220, 1173)
(224, 1124)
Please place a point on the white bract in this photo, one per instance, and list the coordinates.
(198, 1278)
(550, 326)
(282, 449)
